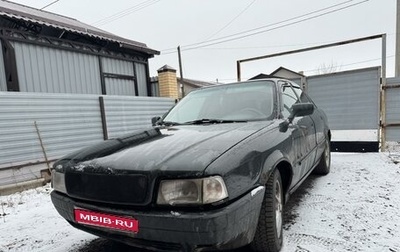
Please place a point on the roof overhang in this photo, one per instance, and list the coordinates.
(44, 18)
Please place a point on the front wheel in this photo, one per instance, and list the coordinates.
(268, 237)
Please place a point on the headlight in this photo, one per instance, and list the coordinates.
(58, 181)
(192, 191)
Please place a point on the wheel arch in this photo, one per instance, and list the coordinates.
(277, 160)
(285, 169)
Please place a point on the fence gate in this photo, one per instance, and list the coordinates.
(351, 100)
(392, 124)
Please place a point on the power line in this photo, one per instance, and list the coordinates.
(230, 22)
(263, 47)
(276, 46)
(49, 4)
(126, 12)
(277, 23)
(200, 45)
(259, 30)
(269, 25)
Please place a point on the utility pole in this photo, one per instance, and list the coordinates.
(397, 65)
(181, 71)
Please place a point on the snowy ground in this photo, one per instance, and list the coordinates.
(354, 208)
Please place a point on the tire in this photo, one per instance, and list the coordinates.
(268, 236)
(324, 165)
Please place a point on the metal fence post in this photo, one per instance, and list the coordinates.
(103, 117)
(383, 96)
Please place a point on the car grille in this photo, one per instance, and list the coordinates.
(118, 189)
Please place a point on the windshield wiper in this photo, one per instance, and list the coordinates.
(212, 121)
(168, 123)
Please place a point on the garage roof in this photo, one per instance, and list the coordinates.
(41, 17)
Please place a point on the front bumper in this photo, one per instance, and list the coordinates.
(229, 227)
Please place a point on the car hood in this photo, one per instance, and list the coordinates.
(189, 148)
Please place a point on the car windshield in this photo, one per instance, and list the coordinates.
(226, 103)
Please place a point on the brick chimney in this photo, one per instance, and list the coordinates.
(167, 82)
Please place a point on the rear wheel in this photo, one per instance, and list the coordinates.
(324, 166)
(268, 237)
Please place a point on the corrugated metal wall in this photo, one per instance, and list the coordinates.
(393, 110)
(3, 83)
(125, 114)
(350, 99)
(49, 70)
(66, 123)
(116, 86)
(116, 66)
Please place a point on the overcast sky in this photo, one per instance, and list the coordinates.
(262, 26)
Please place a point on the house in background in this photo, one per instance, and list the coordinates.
(285, 73)
(49, 53)
(166, 84)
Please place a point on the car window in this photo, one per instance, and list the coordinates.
(305, 98)
(190, 109)
(289, 97)
(240, 101)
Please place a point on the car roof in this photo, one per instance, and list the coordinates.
(275, 80)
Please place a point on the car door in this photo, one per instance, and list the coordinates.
(303, 131)
(319, 118)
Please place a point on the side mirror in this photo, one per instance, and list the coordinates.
(298, 109)
(302, 109)
(154, 120)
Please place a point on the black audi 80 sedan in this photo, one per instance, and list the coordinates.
(213, 173)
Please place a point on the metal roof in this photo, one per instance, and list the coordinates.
(41, 17)
(287, 70)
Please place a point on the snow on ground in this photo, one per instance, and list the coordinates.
(354, 208)
(30, 223)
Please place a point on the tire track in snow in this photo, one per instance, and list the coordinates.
(354, 208)
(325, 243)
